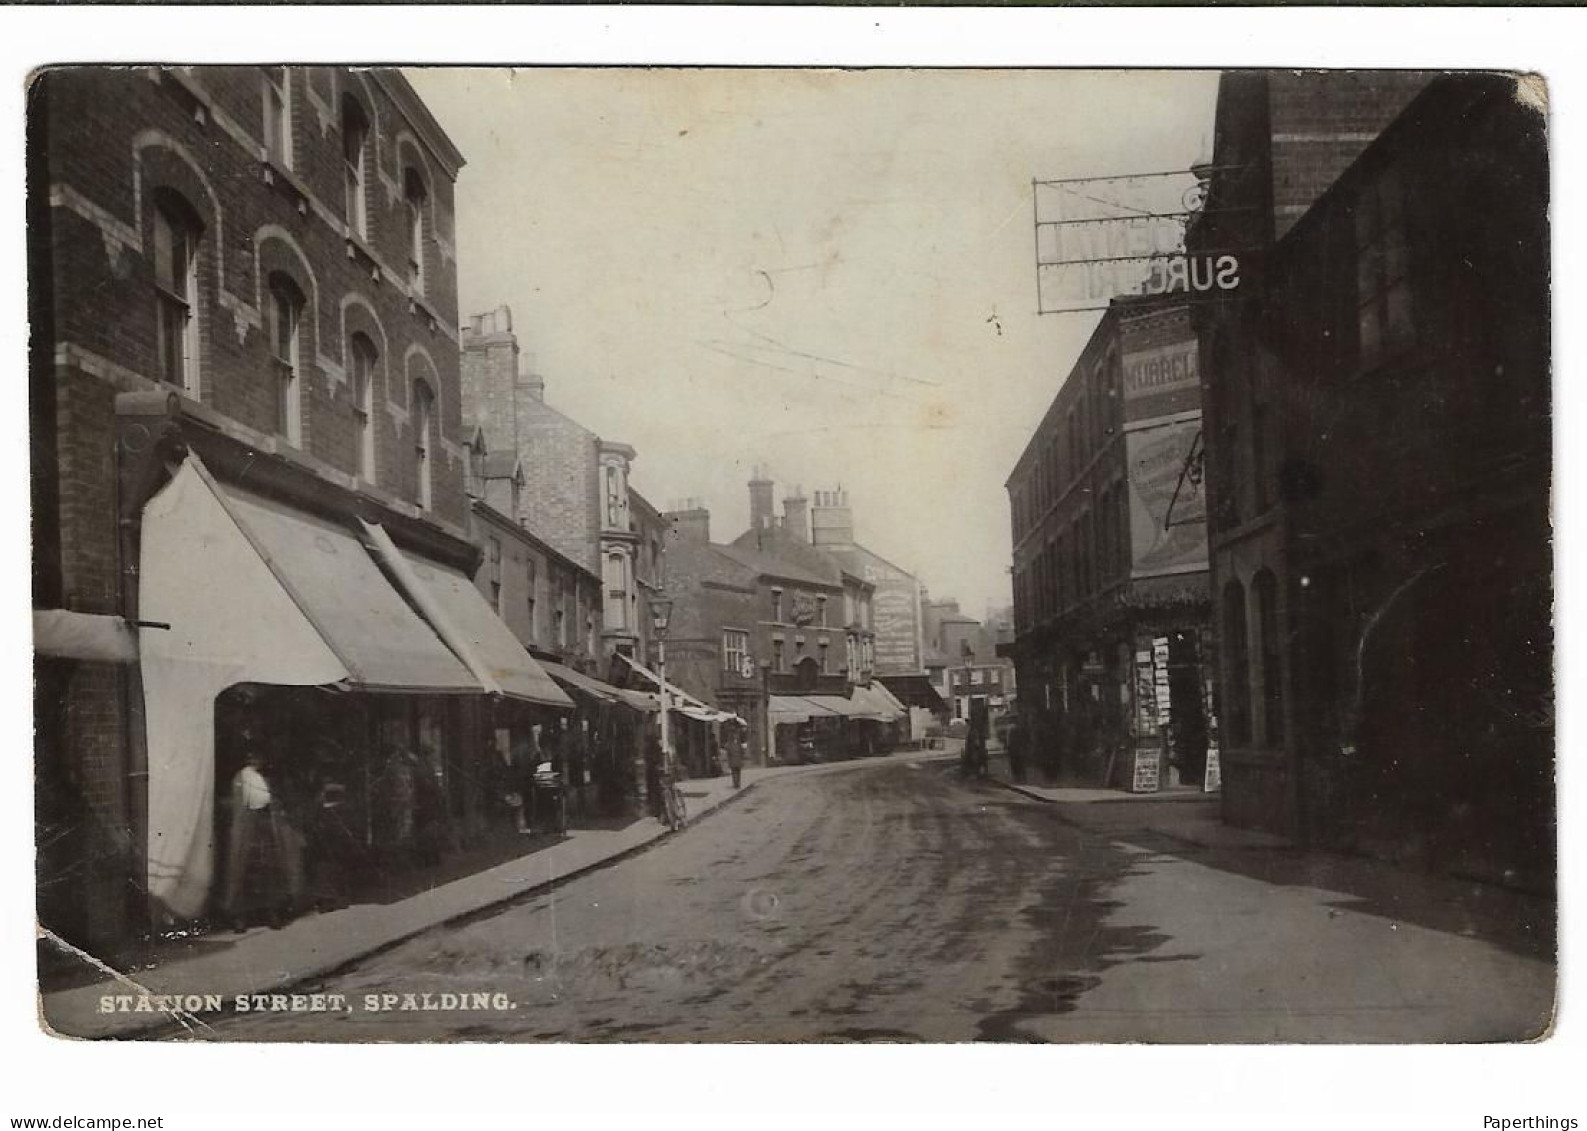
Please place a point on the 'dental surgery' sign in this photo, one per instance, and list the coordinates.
(1099, 238)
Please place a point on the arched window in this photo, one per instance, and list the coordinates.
(355, 140)
(284, 314)
(414, 196)
(1237, 703)
(1272, 683)
(361, 369)
(424, 441)
(176, 240)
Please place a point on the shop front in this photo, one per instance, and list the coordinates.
(317, 699)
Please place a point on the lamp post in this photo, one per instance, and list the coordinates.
(660, 617)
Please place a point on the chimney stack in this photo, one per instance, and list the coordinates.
(831, 519)
(489, 368)
(760, 501)
(530, 383)
(796, 514)
(691, 522)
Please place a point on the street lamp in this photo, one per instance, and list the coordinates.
(660, 617)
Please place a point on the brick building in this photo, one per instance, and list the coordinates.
(967, 663)
(576, 493)
(1378, 466)
(773, 629)
(243, 295)
(1112, 640)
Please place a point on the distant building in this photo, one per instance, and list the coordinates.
(576, 493)
(971, 668)
(770, 629)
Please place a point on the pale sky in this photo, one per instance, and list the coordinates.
(828, 273)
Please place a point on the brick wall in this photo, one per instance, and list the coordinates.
(121, 142)
(1320, 122)
(560, 490)
(490, 381)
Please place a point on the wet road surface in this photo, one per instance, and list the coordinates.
(892, 901)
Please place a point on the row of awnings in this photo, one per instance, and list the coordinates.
(874, 703)
(600, 691)
(239, 580)
(678, 699)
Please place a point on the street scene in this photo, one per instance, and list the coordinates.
(893, 902)
(688, 555)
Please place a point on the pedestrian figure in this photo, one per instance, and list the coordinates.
(1017, 741)
(395, 804)
(430, 833)
(256, 873)
(735, 754)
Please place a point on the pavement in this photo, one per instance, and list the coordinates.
(267, 960)
(894, 901)
(1182, 813)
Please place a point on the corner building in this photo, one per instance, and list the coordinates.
(1112, 644)
(248, 469)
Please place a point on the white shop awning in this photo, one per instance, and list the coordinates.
(459, 614)
(337, 587)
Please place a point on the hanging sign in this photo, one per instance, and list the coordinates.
(1099, 238)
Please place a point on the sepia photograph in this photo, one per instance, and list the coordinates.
(623, 554)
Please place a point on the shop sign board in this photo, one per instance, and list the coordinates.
(1148, 770)
(1212, 782)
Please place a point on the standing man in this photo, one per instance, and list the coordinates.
(255, 858)
(735, 753)
(1016, 741)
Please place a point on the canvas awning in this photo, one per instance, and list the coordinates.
(677, 698)
(914, 690)
(876, 703)
(383, 643)
(576, 680)
(787, 709)
(459, 614)
(838, 705)
(642, 701)
(66, 635)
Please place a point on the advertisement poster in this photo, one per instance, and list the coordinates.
(1168, 528)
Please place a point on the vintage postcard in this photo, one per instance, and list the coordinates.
(792, 555)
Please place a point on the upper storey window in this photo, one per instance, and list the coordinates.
(278, 116)
(285, 314)
(176, 235)
(1383, 285)
(424, 442)
(616, 499)
(414, 196)
(363, 382)
(355, 141)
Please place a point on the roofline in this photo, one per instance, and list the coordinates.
(1099, 335)
(885, 561)
(401, 91)
(534, 539)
